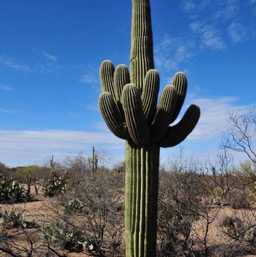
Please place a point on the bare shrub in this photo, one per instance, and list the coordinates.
(96, 206)
(178, 209)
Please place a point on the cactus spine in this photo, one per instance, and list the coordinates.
(128, 104)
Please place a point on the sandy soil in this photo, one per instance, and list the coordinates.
(42, 211)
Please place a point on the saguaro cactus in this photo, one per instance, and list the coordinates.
(128, 104)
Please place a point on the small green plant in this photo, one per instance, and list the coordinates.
(218, 196)
(238, 228)
(11, 219)
(74, 205)
(250, 235)
(66, 236)
(233, 226)
(55, 186)
(11, 191)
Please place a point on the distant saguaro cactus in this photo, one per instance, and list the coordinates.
(93, 161)
(128, 104)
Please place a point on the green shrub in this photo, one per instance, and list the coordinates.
(11, 191)
(250, 235)
(218, 195)
(233, 226)
(11, 219)
(55, 186)
(66, 236)
(74, 205)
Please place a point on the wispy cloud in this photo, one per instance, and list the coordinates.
(210, 36)
(215, 9)
(48, 62)
(90, 78)
(171, 52)
(226, 12)
(204, 141)
(213, 120)
(10, 111)
(24, 147)
(195, 6)
(14, 64)
(188, 5)
(5, 87)
(91, 107)
(50, 57)
(237, 32)
(210, 20)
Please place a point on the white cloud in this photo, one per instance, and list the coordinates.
(90, 78)
(210, 35)
(211, 19)
(171, 52)
(193, 6)
(24, 147)
(10, 111)
(9, 62)
(204, 141)
(226, 13)
(237, 32)
(188, 5)
(213, 120)
(5, 87)
(50, 57)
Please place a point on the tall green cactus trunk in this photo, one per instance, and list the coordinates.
(128, 104)
(141, 199)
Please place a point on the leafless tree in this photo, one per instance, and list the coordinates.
(241, 133)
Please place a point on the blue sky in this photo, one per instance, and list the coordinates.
(51, 50)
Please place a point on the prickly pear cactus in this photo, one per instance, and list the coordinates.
(128, 104)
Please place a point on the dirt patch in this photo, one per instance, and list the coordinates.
(43, 211)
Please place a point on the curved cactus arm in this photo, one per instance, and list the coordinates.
(180, 83)
(121, 78)
(164, 113)
(177, 133)
(107, 77)
(112, 115)
(134, 116)
(150, 94)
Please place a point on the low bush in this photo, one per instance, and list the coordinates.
(12, 192)
(54, 186)
(66, 236)
(11, 219)
(233, 226)
(238, 199)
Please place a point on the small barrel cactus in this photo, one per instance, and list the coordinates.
(128, 104)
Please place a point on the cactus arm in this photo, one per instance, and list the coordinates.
(111, 115)
(177, 133)
(150, 94)
(107, 77)
(121, 78)
(180, 83)
(164, 113)
(134, 116)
